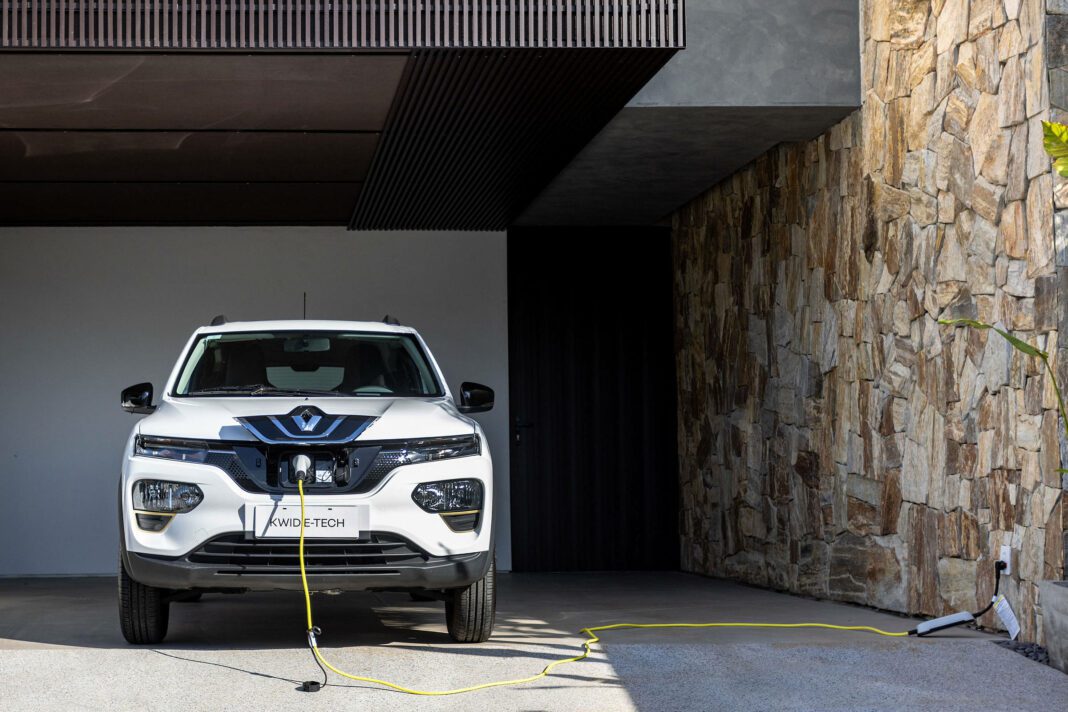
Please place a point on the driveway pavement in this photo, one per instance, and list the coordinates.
(60, 649)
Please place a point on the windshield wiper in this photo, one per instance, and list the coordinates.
(259, 389)
(226, 389)
(274, 391)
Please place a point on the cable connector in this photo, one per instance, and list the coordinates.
(313, 643)
(944, 622)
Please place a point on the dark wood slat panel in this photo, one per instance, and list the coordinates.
(594, 473)
(239, 24)
(477, 134)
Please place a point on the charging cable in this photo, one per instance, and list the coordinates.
(591, 636)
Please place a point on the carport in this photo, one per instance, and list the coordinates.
(699, 251)
(161, 168)
(161, 165)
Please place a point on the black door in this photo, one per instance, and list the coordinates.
(594, 483)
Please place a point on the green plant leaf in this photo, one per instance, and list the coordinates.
(1024, 347)
(1018, 344)
(965, 322)
(1055, 141)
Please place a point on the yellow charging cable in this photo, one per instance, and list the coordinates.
(586, 644)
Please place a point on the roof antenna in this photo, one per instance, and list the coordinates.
(305, 305)
(218, 320)
(393, 321)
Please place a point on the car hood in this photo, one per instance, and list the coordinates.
(394, 418)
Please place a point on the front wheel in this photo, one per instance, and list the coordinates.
(469, 612)
(144, 611)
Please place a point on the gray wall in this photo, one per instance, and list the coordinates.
(763, 53)
(87, 311)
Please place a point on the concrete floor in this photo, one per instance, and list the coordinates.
(60, 648)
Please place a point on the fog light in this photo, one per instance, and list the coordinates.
(165, 497)
(449, 496)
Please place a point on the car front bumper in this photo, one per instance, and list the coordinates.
(442, 572)
(213, 545)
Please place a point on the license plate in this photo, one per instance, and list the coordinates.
(320, 522)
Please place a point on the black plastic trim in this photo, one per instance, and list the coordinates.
(238, 460)
(465, 522)
(429, 572)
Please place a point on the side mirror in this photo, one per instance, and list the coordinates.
(475, 398)
(138, 399)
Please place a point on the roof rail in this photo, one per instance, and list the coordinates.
(218, 320)
(392, 321)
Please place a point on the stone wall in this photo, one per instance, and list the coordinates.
(835, 440)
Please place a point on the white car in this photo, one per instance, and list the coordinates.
(398, 480)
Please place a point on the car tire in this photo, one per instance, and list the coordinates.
(470, 611)
(144, 611)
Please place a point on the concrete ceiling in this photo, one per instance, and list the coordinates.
(650, 160)
(754, 73)
(443, 137)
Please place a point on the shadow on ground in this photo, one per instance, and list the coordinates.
(83, 612)
(248, 651)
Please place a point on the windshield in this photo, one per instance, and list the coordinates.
(307, 362)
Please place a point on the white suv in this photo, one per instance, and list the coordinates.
(399, 482)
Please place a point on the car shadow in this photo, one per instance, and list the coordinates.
(83, 612)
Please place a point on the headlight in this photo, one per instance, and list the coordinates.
(170, 449)
(449, 496)
(165, 497)
(440, 449)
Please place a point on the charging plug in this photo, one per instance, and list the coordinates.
(944, 622)
(310, 686)
(1006, 558)
(303, 468)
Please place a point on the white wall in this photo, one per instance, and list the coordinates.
(85, 312)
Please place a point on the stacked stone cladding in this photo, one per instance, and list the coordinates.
(835, 440)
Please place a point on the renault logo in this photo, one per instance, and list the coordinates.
(307, 421)
(306, 424)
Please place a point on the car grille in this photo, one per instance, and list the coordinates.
(378, 554)
(385, 461)
(229, 463)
